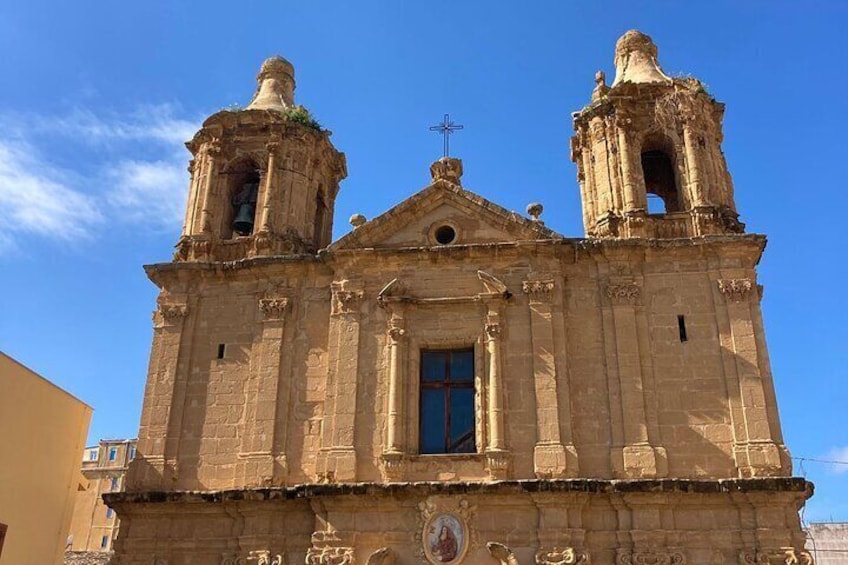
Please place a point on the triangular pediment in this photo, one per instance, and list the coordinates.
(416, 221)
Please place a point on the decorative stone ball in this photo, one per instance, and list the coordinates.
(535, 210)
(357, 220)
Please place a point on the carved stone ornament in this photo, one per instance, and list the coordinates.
(444, 530)
(329, 556)
(539, 290)
(650, 557)
(493, 330)
(781, 556)
(273, 308)
(346, 301)
(383, 556)
(627, 293)
(447, 168)
(562, 556)
(736, 290)
(501, 553)
(173, 313)
(261, 557)
(396, 334)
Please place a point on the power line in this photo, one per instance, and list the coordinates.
(815, 460)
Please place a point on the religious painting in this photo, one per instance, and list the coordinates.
(445, 539)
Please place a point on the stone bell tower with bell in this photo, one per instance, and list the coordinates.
(264, 179)
(648, 153)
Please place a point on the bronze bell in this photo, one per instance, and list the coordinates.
(245, 204)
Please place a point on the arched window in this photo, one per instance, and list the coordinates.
(660, 184)
(243, 183)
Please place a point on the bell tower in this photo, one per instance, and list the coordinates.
(648, 153)
(264, 178)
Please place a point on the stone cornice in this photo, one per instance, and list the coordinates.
(530, 486)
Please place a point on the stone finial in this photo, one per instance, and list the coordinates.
(534, 209)
(357, 220)
(636, 60)
(275, 90)
(601, 87)
(447, 168)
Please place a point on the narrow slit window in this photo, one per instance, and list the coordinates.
(221, 350)
(681, 326)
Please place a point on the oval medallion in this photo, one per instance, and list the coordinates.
(445, 539)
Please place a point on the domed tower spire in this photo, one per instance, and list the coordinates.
(263, 180)
(648, 152)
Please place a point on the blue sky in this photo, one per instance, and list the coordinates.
(97, 98)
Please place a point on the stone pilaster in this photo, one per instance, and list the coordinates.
(636, 458)
(258, 464)
(755, 450)
(267, 196)
(549, 454)
(337, 460)
(497, 460)
(212, 151)
(395, 414)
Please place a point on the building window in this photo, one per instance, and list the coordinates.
(115, 483)
(109, 513)
(104, 542)
(447, 402)
(91, 455)
(113, 453)
(132, 452)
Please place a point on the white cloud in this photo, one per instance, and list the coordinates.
(838, 454)
(126, 168)
(35, 199)
(150, 191)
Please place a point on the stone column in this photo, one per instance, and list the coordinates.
(212, 150)
(631, 199)
(755, 450)
(393, 450)
(693, 165)
(337, 460)
(549, 457)
(161, 417)
(637, 458)
(495, 449)
(268, 187)
(194, 168)
(258, 464)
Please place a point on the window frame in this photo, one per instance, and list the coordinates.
(112, 454)
(448, 385)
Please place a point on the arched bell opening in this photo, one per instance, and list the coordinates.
(658, 173)
(243, 178)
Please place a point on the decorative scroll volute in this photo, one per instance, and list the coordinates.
(735, 290)
(562, 556)
(623, 294)
(781, 556)
(329, 556)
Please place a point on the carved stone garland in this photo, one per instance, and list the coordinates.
(650, 557)
(562, 556)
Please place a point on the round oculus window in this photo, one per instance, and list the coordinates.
(445, 235)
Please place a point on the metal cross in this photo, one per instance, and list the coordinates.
(446, 128)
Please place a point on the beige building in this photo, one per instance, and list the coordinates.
(42, 435)
(827, 542)
(95, 525)
(451, 382)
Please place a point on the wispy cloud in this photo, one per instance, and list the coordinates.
(126, 168)
(839, 456)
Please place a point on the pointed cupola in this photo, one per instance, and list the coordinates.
(264, 179)
(648, 152)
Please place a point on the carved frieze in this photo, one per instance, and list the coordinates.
(539, 291)
(626, 293)
(779, 556)
(173, 313)
(329, 556)
(735, 290)
(650, 557)
(562, 556)
(273, 308)
(261, 557)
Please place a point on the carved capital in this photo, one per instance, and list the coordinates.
(539, 291)
(562, 556)
(346, 301)
(272, 147)
(497, 464)
(213, 148)
(735, 290)
(396, 334)
(649, 557)
(173, 313)
(273, 308)
(329, 556)
(493, 330)
(627, 293)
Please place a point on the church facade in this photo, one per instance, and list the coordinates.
(454, 383)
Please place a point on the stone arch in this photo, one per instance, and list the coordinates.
(659, 166)
(242, 178)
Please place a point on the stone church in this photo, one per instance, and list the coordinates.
(451, 382)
